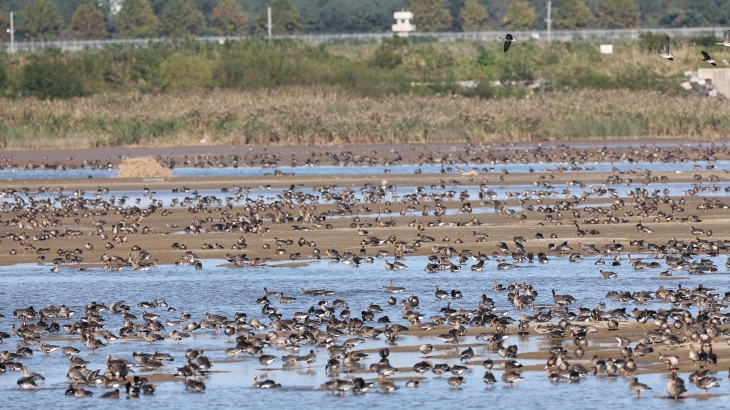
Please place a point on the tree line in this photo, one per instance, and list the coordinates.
(87, 19)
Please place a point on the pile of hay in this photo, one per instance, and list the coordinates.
(145, 167)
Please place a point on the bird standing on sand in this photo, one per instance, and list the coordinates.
(508, 40)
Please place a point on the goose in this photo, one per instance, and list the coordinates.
(203, 361)
(93, 344)
(440, 369)
(511, 377)
(675, 386)
(195, 386)
(665, 50)
(185, 371)
(132, 390)
(384, 369)
(441, 294)
(707, 59)
(266, 360)
(489, 379)
(309, 358)
(266, 384)
(393, 289)
(426, 349)
(78, 393)
(111, 395)
(152, 337)
(706, 383)
(467, 354)
(421, 367)
(388, 386)
(672, 362)
(29, 379)
(562, 299)
(508, 40)
(177, 336)
(455, 381)
(725, 43)
(46, 348)
(611, 368)
(608, 274)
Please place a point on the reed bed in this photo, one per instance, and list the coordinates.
(327, 115)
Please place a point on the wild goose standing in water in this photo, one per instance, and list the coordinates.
(675, 386)
(195, 386)
(29, 379)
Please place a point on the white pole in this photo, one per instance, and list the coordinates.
(549, 20)
(12, 34)
(268, 11)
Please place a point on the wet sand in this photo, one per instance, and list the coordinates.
(501, 228)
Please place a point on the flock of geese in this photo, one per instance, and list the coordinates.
(333, 330)
(490, 155)
(337, 332)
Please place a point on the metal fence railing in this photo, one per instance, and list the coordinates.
(537, 35)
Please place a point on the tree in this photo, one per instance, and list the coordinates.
(617, 14)
(520, 16)
(571, 15)
(680, 18)
(430, 15)
(473, 17)
(4, 26)
(88, 23)
(136, 20)
(284, 19)
(41, 20)
(229, 19)
(182, 18)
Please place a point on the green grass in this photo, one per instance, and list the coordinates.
(372, 70)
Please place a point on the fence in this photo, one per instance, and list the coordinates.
(538, 35)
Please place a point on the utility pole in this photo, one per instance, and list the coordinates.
(12, 34)
(268, 26)
(549, 20)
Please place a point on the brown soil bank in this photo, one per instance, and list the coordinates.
(146, 167)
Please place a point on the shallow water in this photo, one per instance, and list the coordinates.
(223, 290)
(402, 169)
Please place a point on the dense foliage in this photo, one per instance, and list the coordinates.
(147, 18)
(397, 65)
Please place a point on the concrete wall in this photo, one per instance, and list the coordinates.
(720, 78)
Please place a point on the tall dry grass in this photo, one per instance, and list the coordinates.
(327, 115)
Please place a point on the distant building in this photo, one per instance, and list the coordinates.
(403, 23)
